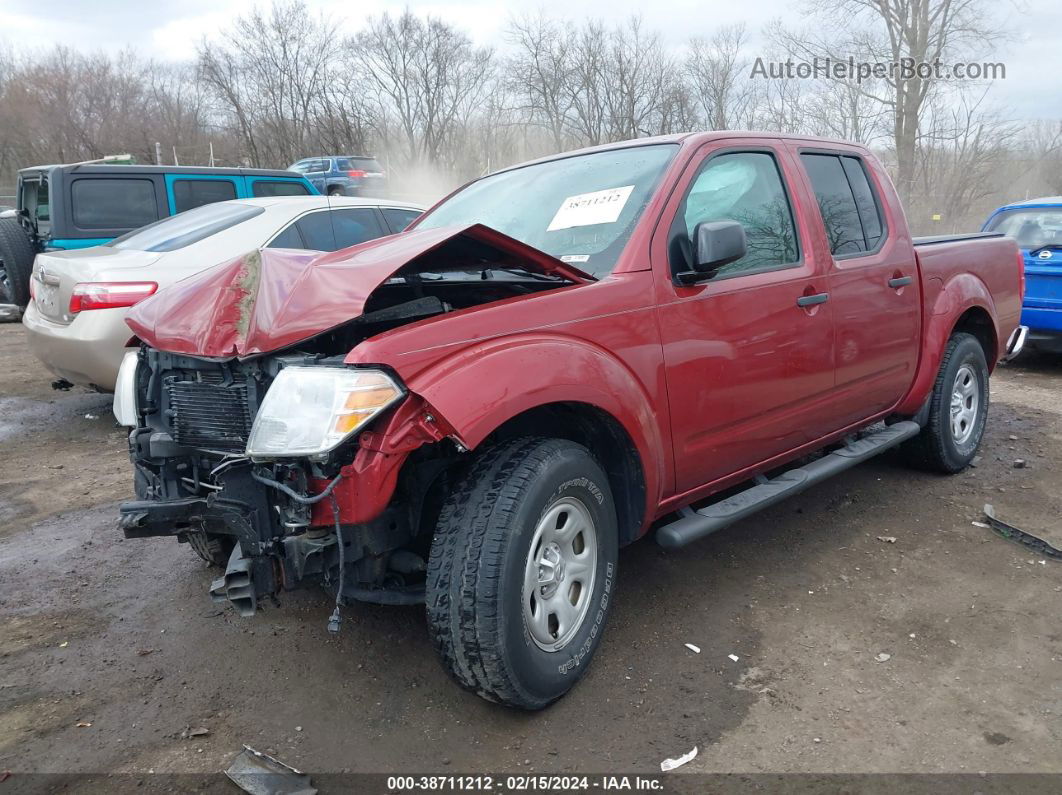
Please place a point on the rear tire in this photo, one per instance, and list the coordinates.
(336, 192)
(521, 571)
(214, 549)
(16, 263)
(958, 410)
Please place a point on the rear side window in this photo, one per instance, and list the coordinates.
(113, 203)
(866, 201)
(356, 226)
(191, 193)
(399, 218)
(262, 188)
(182, 230)
(847, 203)
(317, 231)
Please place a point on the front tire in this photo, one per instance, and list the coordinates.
(521, 571)
(958, 409)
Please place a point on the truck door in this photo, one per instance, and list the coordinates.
(749, 353)
(873, 282)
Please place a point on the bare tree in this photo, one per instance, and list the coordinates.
(719, 76)
(539, 72)
(268, 74)
(428, 77)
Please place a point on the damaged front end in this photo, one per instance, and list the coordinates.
(257, 443)
(279, 509)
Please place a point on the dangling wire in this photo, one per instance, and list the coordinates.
(333, 622)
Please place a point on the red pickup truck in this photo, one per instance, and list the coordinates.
(662, 335)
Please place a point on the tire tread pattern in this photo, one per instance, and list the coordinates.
(465, 568)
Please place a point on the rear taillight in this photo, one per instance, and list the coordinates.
(355, 174)
(108, 295)
(1021, 273)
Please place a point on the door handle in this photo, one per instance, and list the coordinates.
(900, 281)
(811, 300)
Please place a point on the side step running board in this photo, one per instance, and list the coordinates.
(692, 524)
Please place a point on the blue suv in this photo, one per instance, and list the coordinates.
(1036, 225)
(343, 175)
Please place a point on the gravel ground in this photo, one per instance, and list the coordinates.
(110, 650)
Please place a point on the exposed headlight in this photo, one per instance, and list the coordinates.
(311, 410)
(125, 391)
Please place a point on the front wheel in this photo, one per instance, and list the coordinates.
(958, 409)
(521, 571)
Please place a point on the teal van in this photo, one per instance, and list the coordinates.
(75, 206)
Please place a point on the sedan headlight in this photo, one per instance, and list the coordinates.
(311, 410)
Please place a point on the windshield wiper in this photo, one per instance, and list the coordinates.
(1046, 247)
(517, 271)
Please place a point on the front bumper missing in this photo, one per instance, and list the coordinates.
(1016, 342)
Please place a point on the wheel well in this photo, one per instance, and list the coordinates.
(976, 321)
(605, 438)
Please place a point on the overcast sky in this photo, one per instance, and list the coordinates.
(170, 29)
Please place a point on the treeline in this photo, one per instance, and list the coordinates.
(285, 83)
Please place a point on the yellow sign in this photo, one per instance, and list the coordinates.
(936, 216)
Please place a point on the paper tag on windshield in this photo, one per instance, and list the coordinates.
(575, 258)
(587, 209)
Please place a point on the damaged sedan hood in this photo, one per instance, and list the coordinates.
(274, 298)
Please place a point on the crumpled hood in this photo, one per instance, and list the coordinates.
(274, 298)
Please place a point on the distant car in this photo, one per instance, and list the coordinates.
(344, 175)
(1036, 226)
(62, 207)
(75, 323)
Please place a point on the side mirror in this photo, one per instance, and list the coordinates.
(714, 244)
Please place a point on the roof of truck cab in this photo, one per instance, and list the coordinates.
(689, 139)
(106, 168)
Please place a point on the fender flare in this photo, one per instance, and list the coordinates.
(481, 387)
(959, 294)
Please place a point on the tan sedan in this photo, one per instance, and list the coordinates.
(75, 322)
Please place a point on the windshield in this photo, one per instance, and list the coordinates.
(580, 209)
(1032, 228)
(186, 228)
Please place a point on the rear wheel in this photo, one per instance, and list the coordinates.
(335, 191)
(521, 571)
(16, 263)
(958, 409)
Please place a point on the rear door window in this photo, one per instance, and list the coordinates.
(264, 188)
(837, 203)
(398, 218)
(289, 238)
(356, 226)
(867, 203)
(191, 193)
(317, 233)
(113, 203)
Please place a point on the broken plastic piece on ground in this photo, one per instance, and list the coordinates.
(260, 774)
(1027, 540)
(671, 764)
(883, 657)
(887, 539)
(694, 649)
(733, 657)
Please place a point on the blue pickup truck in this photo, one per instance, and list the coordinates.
(1036, 225)
(89, 204)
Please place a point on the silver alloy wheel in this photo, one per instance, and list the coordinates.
(965, 400)
(559, 574)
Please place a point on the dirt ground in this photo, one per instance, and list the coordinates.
(111, 649)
